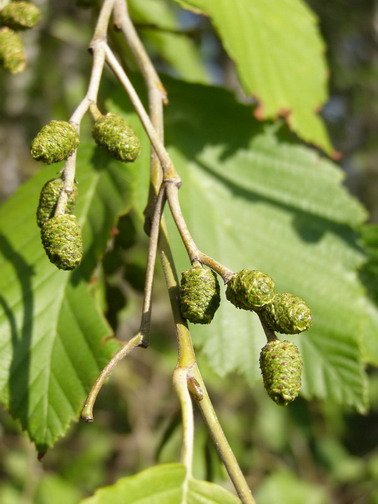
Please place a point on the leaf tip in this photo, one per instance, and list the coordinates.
(42, 450)
(259, 112)
(336, 155)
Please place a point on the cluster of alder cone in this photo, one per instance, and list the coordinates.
(15, 17)
(280, 361)
(60, 231)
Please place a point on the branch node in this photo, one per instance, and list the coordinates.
(176, 181)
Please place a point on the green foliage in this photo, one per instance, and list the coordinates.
(52, 334)
(165, 484)
(279, 56)
(279, 208)
(160, 29)
(252, 198)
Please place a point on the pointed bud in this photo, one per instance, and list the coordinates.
(281, 368)
(117, 136)
(55, 142)
(250, 289)
(287, 314)
(12, 53)
(20, 15)
(61, 239)
(200, 296)
(48, 199)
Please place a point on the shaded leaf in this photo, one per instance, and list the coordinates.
(279, 56)
(164, 484)
(52, 336)
(369, 277)
(252, 200)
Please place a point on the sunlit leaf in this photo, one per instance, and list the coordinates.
(252, 200)
(164, 484)
(161, 32)
(52, 336)
(279, 56)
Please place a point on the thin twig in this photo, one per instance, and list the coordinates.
(151, 259)
(165, 160)
(180, 379)
(142, 338)
(87, 411)
(269, 333)
(221, 443)
(123, 22)
(157, 98)
(97, 47)
(194, 253)
(186, 358)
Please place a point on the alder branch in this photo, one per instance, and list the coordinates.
(87, 411)
(193, 251)
(164, 158)
(97, 47)
(151, 260)
(187, 358)
(157, 98)
(180, 382)
(142, 338)
(224, 449)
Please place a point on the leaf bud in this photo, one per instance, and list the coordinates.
(48, 199)
(116, 135)
(12, 53)
(61, 239)
(55, 142)
(287, 314)
(199, 294)
(20, 15)
(281, 367)
(250, 289)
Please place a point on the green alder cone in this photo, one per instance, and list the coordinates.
(20, 15)
(12, 52)
(287, 314)
(117, 136)
(250, 289)
(199, 294)
(55, 142)
(281, 367)
(49, 197)
(61, 239)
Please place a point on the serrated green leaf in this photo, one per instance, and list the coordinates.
(369, 277)
(252, 200)
(279, 56)
(164, 484)
(52, 336)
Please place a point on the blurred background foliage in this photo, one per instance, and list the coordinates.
(311, 452)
